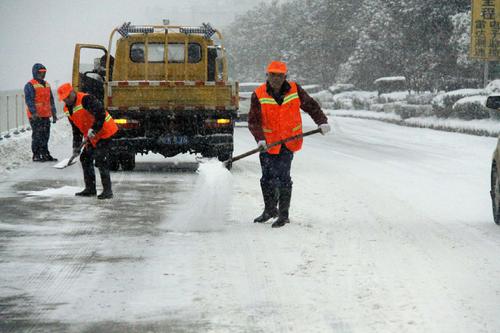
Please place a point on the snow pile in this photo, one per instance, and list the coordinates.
(205, 210)
(65, 191)
(16, 150)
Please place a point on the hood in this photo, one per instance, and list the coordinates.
(36, 68)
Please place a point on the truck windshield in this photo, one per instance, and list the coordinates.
(156, 52)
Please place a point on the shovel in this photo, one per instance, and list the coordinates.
(72, 160)
(256, 150)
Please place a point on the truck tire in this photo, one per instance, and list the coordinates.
(224, 157)
(495, 199)
(128, 162)
(114, 163)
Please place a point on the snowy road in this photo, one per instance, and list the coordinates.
(391, 231)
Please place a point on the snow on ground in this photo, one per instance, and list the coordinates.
(391, 231)
(489, 127)
(16, 150)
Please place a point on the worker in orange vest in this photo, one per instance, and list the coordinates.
(39, 108)
(92, 123)
(275, 115)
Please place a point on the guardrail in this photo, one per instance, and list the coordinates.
(13, 118)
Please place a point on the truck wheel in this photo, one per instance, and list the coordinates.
(495, 198)
(225, 157)
(114, 164)
(128, 162)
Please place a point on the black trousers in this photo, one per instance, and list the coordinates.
(99, 154)
(276, 169)
(40, 134)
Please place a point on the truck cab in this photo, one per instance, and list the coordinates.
(167, 89)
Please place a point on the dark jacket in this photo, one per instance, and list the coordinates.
(307, 103)
(29, 92)
(95, 107)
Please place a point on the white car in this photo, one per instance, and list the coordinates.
(493, 102)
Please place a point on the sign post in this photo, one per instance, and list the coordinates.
(485, 32)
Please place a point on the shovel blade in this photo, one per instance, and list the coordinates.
(65, 163)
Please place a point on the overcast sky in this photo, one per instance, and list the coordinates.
(46, 31)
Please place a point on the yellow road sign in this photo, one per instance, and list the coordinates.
(485, 30)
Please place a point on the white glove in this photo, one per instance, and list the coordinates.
(262, 145)
(90, 133)
(325, 128)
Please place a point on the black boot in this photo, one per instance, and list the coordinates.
(49, 158)
(270, 201)
(107, 193)
(37, 158)
(284, 205)
(89, 179)
(87, 192)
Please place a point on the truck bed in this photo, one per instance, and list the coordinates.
(172, 95)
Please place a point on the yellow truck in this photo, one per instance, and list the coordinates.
(166, 87)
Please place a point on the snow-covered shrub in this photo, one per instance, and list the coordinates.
(493, 87)
(442, 104)
(324, 98)
(494, 114)
(406, 111)
(472, 107)
(342, 104)
(312, 88)
(393, 107)
(377, 107)
(340, 87)
(358, 100)
(395, 96)
(390, 84)
(422, 98)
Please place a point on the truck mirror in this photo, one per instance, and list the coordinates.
(493, 102)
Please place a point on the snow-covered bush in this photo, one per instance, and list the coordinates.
(493, 87)
(422, 98)
(341, 87)
(390, 84)
(442, 104)
(406, 111)
(312, 88)
(358, 100)
(377, 107)
(395, 96)
(472, 107)
(494, 114)
(393, 107)
(324, 98)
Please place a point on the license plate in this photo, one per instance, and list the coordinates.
(174, 139)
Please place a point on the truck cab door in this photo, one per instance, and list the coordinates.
(89, 69)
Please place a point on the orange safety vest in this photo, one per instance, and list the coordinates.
(83, 119)
(281, 121)
(42, 100)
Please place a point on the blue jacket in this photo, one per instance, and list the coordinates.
(29, 92)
